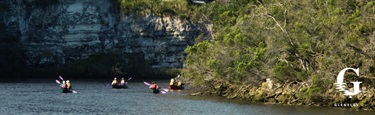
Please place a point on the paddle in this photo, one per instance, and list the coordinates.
(57, 81)
(163, 92)
(61, 78)
(129, 79)
(146, 83)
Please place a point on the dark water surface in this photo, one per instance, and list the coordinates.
(97, 98)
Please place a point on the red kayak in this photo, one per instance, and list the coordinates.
(174, 87)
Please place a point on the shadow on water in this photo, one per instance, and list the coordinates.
(94, 97)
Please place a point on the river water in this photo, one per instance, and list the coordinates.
(43, 97)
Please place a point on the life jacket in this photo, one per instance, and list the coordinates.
(122, 82)
(172, 82)
(114, 82)
(68, 85)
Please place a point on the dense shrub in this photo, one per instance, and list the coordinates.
(284, 40)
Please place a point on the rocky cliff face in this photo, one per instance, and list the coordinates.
(67, 30)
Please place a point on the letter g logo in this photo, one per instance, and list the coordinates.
(341, 86)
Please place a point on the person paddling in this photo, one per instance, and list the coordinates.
(122, 81)
(176, 81)
(69, 86)
(63, 85)
(114, 82)
(64, 88)
(154, 86)
(172, 82)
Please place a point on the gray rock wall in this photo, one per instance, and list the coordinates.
(76, 29)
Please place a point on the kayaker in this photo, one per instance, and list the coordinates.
(63, 85)
(179, 83)
(114, 82)
(122, 81)
(64, 88)
(154, 85)
(68, 84)
(172, 82)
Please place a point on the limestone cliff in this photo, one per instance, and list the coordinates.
(69, 30)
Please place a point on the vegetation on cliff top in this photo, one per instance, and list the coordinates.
(179, 8)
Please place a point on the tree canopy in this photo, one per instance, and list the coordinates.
(285, 40)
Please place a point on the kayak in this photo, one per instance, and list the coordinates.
(66, 91)
(176, 87)
(154, 90)
(119, 86)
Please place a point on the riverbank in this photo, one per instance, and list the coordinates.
(292, 93)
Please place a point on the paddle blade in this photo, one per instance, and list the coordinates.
(129, 79)
(163, 92)
(165, 89)
(61, 78)
(146, 83)
(74, 91)
(57, 81)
